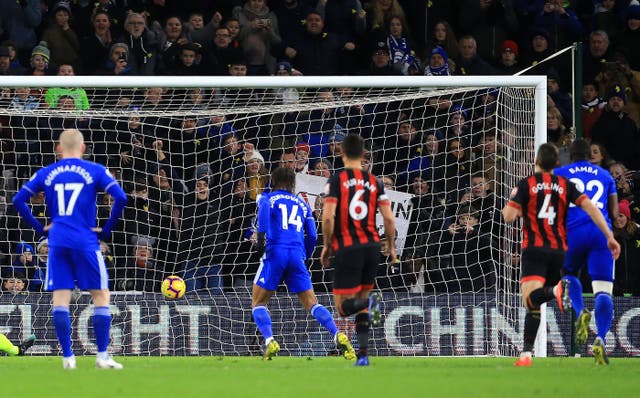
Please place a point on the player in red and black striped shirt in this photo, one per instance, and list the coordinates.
(348, 223)
(542, 200)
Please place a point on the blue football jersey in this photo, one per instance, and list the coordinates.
(595, 182)
(285, 218)
(70, 187)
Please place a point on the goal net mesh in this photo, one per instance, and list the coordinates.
(193, 161)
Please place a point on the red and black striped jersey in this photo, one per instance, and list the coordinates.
(544, 200)
(357, 195)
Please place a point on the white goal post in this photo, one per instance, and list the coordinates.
(442, 300)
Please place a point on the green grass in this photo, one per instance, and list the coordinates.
(389, 377)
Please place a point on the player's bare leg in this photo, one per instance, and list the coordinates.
(259, 299)
(310, 303)
(101, 326)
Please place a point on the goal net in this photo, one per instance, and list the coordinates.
(194, 153)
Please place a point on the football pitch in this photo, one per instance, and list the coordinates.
(388, 377)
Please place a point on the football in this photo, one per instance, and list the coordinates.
(173, 287)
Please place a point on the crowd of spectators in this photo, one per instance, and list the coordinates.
(193, 182)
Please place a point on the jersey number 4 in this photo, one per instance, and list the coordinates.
(293, 218)
(546, 211)
(66, 208)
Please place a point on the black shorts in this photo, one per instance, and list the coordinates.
(355, 269)
(542, 264)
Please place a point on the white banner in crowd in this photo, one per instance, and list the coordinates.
(310, 186)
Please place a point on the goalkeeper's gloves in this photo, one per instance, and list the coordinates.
(261, 243)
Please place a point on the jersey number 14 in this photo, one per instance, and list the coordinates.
(290, 219)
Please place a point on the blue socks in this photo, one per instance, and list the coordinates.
(603, 309)
(101, 326)
(575, 293)
(263, 321)
(323, 316)
(62, 323)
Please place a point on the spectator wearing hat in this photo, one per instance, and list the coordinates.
(256, 174)
(630, 37)
(469, 63)
(627, 233)
(437, 63)
(617, 131)
(334, 149)
(458, 125)
(25, 263)
(40, 60)
(288, 95)
(618, 71)
(380, 62)
(20, 20)
(507, 63)
(61, 38)
(302, 151)
(539, 48)
(315, 51)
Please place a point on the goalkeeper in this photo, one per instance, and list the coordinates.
(12, 350)
(283, 219)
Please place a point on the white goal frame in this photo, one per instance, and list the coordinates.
(537, 83)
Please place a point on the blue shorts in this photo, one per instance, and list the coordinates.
(587, 245)
(283, 263)
(68, 268)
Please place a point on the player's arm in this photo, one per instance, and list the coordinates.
(513, 209)
(511, 212)
(612, 206)
(112, 187)
(389, 229)
(597, 217)
(20, 200)
(328, 225)
(311, 234)
(262, 224)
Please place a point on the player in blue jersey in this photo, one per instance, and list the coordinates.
(287, 231)
(70, 186)
(586, 246)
